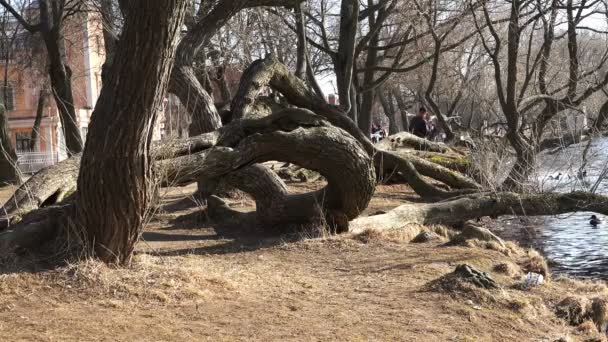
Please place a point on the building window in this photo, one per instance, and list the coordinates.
(9, 102)
(23, 141)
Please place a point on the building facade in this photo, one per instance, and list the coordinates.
(27, 75)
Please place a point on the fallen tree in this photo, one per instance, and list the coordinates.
(459, 210)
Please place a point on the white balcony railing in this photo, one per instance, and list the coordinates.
(32, 162)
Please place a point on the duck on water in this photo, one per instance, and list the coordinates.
(581, 174)
(595, 221)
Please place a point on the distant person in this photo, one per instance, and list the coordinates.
(376, 133)
(433, 129)
(418, 124)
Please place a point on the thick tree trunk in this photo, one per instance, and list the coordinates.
(524, 163)
(117, 155)
(61, 85)
(344, 58)
(302, 50)
(39, 115)
(255, 78)
(408, 140)
(389, 110)
(9, 172)
(296, 136)
(601, 118)
(369, 96)
(402, 110)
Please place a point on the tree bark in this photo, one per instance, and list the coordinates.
(9, 172)
(402, 110)
(60, 76)
(470, 207)
(368, 97)
(198, 102)
(389, 110)
(48, 186)
(184, 84)
(302, 51)
(601, 118)
(344, 58)
(110, 36)
(112, 215)
(39, 114)
(255, 78)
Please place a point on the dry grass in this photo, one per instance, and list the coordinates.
(507, 268)
(399, 236)
(536, 263)
(190, 281)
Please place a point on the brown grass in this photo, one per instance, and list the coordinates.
(536, 263)
(190, 281)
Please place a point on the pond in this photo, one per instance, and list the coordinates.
(570, 243)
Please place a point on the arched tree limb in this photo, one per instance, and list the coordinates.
(296, 136)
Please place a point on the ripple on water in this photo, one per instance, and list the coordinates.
(569, 242)
(574, 246)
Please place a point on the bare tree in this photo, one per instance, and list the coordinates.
(514, 88)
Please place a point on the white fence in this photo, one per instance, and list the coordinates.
(32, 162)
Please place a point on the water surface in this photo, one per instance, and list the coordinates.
(569, 242)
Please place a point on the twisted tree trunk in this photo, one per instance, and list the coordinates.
(293, 135)
(115, 181)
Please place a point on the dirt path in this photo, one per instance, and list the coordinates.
(193, 282)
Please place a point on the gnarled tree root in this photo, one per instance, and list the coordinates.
(296, 136)
(308, 141)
